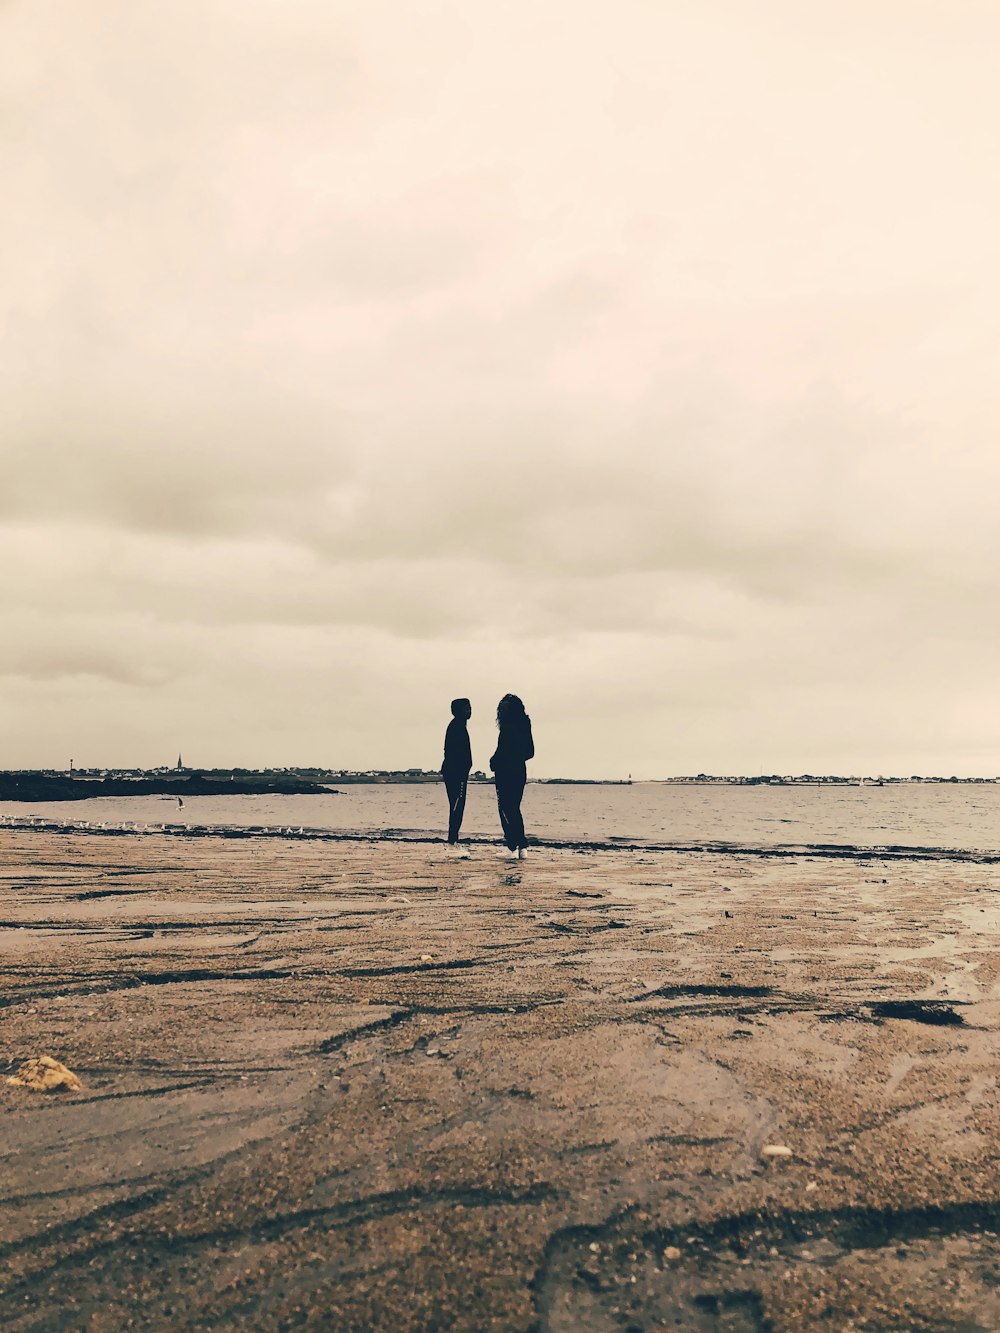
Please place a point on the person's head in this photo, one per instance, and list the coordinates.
(461, 708)
(509, 709)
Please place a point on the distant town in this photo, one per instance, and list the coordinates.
(76, 782)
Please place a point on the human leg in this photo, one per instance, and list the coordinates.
(502, 811)
(456, 788)
(510, 789)
(514, 814)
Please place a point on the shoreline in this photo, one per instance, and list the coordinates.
(423, 837)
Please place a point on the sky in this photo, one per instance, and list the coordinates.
(640, 359)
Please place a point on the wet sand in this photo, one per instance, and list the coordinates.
(358, 1085)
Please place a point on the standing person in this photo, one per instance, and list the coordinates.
(457, 765)
(514, 748)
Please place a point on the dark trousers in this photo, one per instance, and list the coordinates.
(510, 789)
(455, 785)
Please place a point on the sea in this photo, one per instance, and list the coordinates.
(953, 816)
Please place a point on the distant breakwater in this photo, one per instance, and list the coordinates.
(41, 787)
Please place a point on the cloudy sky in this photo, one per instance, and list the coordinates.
(640, 358)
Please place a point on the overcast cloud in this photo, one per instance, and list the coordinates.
(638, 358)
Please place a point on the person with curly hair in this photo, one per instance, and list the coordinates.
(515, 747)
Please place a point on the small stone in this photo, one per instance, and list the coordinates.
(672, 1253)
(44, 1074)
(594, 1247)
(775, 1150)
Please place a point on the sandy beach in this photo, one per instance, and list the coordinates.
(359, 1085)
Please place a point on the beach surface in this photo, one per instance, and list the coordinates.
(359, 1085)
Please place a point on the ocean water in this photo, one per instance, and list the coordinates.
(954, 816)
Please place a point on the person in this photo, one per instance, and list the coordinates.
(515, 747)
(457, 765)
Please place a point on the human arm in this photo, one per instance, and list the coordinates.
(457, 749)
(448, 763)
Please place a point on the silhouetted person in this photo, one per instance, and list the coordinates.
(457, 764)
(514, 748)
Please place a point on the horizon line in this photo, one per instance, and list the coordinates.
(425, 773)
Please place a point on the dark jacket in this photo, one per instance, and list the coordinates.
(515, 747)
(457, 750)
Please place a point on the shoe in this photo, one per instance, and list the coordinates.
(505, 854)
(522, 853)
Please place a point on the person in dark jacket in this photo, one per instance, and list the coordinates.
(457, 765)
(515, 747)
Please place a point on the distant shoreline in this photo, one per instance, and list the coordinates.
(39, 786)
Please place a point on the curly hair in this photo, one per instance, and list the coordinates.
(510, 709)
